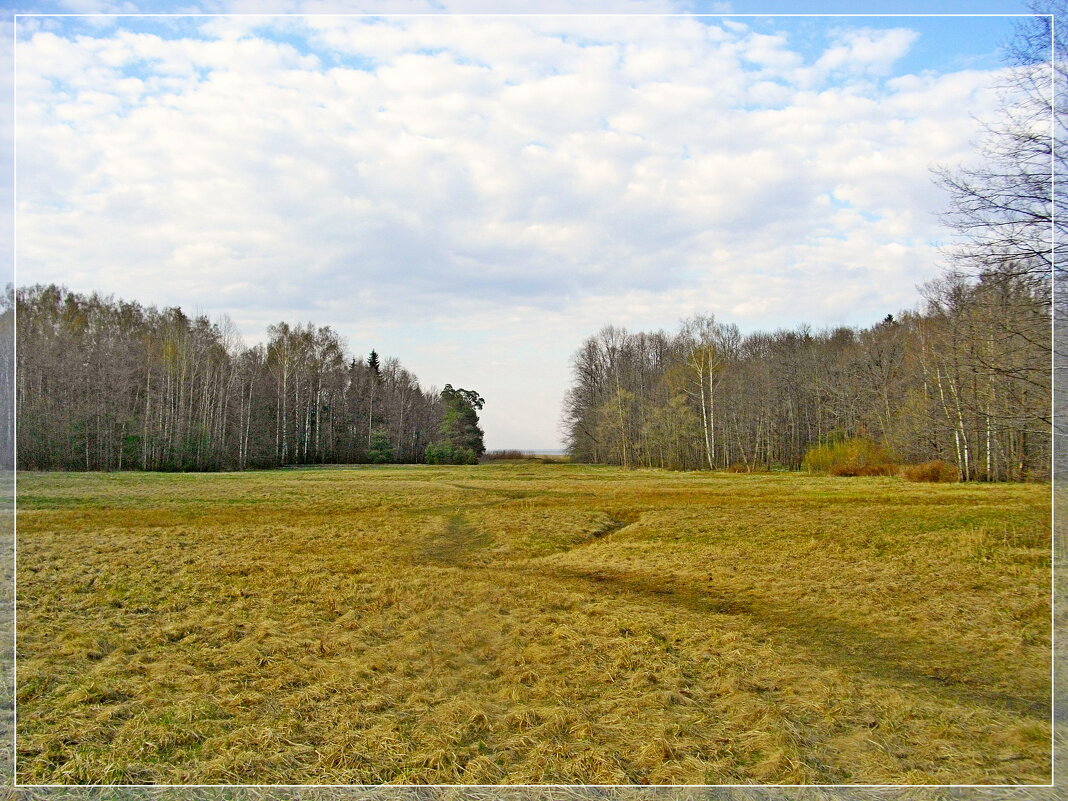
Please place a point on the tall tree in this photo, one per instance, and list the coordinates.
(1012, 219)
(1004, 208)
(461, 438)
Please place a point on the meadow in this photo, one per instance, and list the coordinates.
(520, 622)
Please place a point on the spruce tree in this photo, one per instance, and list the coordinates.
(460, 437)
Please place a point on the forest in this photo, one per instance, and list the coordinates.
(964, 379)
(106, 384)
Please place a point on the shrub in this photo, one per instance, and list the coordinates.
(936, 471)
(444, 453)
(510, 454)
(856, 456)
(741, 467)
(854, 469)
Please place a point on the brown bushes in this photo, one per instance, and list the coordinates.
(503, 455)
(856, 469)
(856, 456)
(936, 471)
(739, 467)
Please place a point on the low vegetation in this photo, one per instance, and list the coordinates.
(855, 456)
(508, 454)
(530, 623)
(936, 471)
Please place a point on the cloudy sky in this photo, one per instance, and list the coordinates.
(476, 194)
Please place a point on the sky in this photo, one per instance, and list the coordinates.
(475, 195)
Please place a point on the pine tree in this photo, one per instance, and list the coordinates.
(460, 440)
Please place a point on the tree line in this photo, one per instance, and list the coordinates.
(965, 378)
(106, 384)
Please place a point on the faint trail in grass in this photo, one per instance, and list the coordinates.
(617, 521)
(503, 494)
(454, 544)
(829, 641)
(835, 644)
(446, 508)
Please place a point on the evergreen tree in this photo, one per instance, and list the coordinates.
(381, 451)
(460, 440)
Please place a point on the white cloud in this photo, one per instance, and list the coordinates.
(548, 175)
(770, 51)
(872, 51)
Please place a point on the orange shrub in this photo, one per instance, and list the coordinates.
(936, 471)
(855, 469)
(856, 456)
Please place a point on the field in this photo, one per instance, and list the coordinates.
(530, 623)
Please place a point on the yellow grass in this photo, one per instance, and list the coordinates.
(530, 623)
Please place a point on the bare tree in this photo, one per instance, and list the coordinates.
(109, 385)
(1004, 208)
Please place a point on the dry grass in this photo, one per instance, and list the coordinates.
(7, 599)
(554, 793)
(529, 623)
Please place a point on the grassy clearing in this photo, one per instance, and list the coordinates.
(531, 623)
